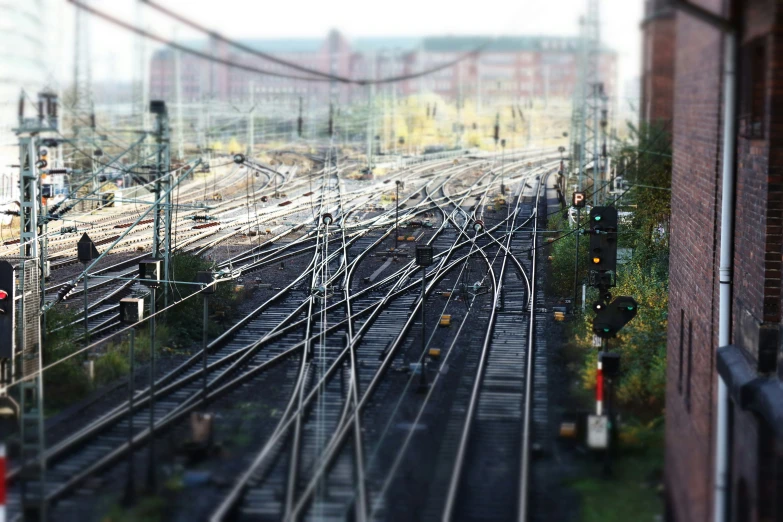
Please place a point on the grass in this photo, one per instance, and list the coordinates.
(631, 493)
(148, 509)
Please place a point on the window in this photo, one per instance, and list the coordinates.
(682, 332)
(753, 88)
(690, 366)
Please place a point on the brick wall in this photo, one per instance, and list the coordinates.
(659, 43)
(758, 256)
(693, 297)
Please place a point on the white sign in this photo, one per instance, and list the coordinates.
(597, 432)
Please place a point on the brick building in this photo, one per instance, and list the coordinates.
(509, 68)
(750, 362)
(658, 45)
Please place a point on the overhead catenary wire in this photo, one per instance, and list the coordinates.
(322, 77)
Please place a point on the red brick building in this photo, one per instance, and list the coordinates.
(750, 363)
(509, 68)
(658, 45)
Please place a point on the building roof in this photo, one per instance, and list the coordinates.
(405, 44)
(501, 43)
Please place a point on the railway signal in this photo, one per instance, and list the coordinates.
(7, 316)
(603, 241)
(610, 318)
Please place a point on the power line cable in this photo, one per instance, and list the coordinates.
(321, 77)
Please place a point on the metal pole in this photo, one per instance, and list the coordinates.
(130, 489)
(609, 385)
(503, 170)
(151, 470)
(423, 381)
(204, 360)
(397, 216)
(86, 327)
(596, 157)
(576, 258)
(251, 125)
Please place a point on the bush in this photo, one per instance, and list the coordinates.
(66, 382)
(645, 277)
(184, 320)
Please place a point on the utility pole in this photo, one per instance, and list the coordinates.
(597, 93)
(460, 102)
(131, 312)
(370, 115)
(152, 475)
(207, 279)
(31, 274)
(251, 124)
(163, 177)
(394, 117)
(397, 215)
(299, 121)
(503, 168)
(178, 94)
(424, 257)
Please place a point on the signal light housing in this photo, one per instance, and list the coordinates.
(611, 318)
(603, 239)
(7, 319)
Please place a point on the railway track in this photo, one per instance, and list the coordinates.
(329, 355)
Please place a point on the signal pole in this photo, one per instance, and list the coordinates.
(162, 183)
(28, 323)
(251, 124)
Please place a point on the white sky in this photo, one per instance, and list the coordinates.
(112, 48)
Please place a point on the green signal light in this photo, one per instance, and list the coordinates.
(606, 330)
(630, 308)
(597, 218)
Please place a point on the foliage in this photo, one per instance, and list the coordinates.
(632, 491)
(562, 252)
(647, 161)
(111, 366)
(184, 320)
(66, 382)
(642, 343)
(147, 509)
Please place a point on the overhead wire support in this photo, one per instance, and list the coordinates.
(70, 285)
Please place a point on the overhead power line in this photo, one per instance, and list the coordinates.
(319, 75)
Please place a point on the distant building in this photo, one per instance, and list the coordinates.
(686, 83)
(513, 68)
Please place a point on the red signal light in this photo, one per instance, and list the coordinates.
(3, 295)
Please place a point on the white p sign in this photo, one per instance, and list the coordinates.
(578, 199)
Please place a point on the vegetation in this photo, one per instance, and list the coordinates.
(181, 319)
(631, 491)
(644, 275)
(148, 509)
(68, 382)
